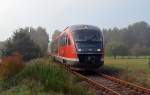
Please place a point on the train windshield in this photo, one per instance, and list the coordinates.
(87, 35)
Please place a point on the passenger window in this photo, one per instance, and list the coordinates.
(69, 42)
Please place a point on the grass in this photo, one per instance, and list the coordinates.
(10, 66)
(42, 77)
(133, 70)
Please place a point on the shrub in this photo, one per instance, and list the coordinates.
(47, 75)
(21, 42)
(50, 75)
(11, 65)
(54, 78)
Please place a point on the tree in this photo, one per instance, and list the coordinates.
(41, 38)
(8, 48)
(138, 50)
(22, 43)
(134, 38)
(1, 45)
(55, 34)
(117, 49)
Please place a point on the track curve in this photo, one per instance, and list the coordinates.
(108, 85)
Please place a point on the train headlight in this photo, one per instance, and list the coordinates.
(98, 49)
(79, 49)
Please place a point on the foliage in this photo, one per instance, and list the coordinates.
(48, 76)
(133, 70)
(134, 39)
(2, 44)
(22, 43)
(55, 34)
(41, 38)
(116, 49)
(9, 48)
(28, 87)
(10, 66)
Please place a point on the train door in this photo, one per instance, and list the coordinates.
(65, 45)
(68, 46)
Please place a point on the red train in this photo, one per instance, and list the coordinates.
(80, 46)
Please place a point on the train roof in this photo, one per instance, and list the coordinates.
(79, 27)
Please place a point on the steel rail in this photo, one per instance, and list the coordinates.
(127, 84)
(92, 82)
(103, 87)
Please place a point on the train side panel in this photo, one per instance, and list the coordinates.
(84, 55)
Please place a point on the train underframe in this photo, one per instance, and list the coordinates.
(84, 62)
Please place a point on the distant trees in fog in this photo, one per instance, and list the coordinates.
(41, 38)
(55, 34)
(29, 42)
(133, 40)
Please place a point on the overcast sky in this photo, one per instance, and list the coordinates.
(57, 14)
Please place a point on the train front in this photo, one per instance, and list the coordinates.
(89, 46)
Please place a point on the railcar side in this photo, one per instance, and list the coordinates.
(80, 46)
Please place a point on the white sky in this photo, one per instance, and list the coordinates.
(57, 14)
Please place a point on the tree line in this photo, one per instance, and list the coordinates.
(29, 42)
(133, 40)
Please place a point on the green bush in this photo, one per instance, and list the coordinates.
(10, 66)
(49, 76)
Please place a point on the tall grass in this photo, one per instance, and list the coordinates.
(49, 76)
(10, 66)
(133, 70)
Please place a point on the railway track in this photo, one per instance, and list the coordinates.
(118, 86)
(108, 85)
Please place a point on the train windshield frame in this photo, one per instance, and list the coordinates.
(86, 35)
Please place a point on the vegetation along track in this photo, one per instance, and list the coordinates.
(108, 85)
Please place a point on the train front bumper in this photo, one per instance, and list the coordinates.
(89, 61)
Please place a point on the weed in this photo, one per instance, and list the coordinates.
(10, 66)
(133, 70)
(49, 76)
